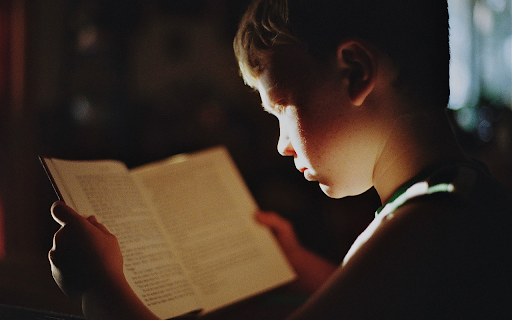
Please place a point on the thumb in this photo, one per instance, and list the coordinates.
(97, 224)
(63, 214)
(281, 227)
(274, 221)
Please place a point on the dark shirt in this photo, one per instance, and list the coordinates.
(440, 249)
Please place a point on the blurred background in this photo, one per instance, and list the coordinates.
(140, 80)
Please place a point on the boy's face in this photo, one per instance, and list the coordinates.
(319, 126)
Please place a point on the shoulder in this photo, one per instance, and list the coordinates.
(474, 200)
(437, 256)
(476, 218)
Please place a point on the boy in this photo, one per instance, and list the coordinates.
(359, 88)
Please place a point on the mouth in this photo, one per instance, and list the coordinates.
(307, 174)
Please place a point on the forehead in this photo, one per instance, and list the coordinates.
(289, 68)
(289, 65)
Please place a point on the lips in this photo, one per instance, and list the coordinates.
(305, 171)
(307, 175)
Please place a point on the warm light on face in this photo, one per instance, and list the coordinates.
(319, 128)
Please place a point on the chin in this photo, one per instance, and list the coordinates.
(332, 192)
(338, 193)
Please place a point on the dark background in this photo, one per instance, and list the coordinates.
(139, 81)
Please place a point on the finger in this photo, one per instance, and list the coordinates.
(281, 228)
(62, 242)
(64, 214)
(53, 256)
(97, 224)
(273, 220)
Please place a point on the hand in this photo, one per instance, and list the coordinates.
(282, 230)
(84, 253)
(312, 270)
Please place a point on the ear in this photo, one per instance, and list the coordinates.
(361, 65)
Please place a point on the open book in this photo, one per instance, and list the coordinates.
(185, 226)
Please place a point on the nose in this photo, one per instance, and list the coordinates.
(284, 146)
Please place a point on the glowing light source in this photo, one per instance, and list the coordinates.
(460, 82)
(483, 18)
(507, 52)
(497, 5)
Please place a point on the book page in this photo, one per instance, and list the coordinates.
(106, 190)
(208, 213)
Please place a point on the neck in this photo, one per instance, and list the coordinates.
(415, 142)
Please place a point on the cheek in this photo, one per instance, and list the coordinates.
(322, 114)
(314, 145)
(317, 131)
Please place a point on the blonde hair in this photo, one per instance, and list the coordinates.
(264, 26)
(414, 34)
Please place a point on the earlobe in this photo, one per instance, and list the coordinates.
(360, 64)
